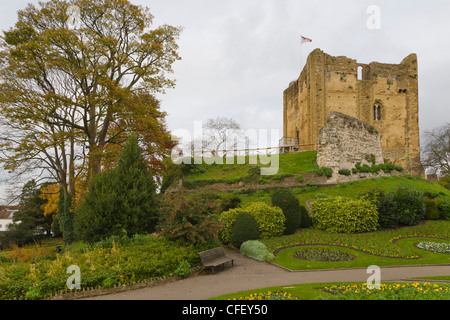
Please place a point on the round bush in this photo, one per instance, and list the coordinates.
(256, 250)
(245, 228)
(432, 212)
(388, 215)
(410, 203)
(270, 220)
(344, 215)
(444, 207)
(289, 204)
(305, 219)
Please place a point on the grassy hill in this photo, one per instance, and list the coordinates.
(294, 163)
(298, 164)
(354, 188)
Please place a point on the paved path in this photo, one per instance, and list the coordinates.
(250, 274)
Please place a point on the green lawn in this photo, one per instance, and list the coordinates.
(350, 291)
(294, 163)
(306, 291)
(384, 247)
(355, 188)
(286, 259)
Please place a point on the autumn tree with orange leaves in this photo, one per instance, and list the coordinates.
(71, 93)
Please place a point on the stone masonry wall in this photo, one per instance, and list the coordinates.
(346, 140)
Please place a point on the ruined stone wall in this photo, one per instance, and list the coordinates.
(330, 83)
(346, 140)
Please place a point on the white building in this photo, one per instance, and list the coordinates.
(6, 217)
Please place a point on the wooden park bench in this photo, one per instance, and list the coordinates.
(214, 257)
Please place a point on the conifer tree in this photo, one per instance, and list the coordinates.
(120, 201)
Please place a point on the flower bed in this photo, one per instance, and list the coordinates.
(321, 254)
(379, 243)
(438, 247)
(104, 264)
(393, 291)
(279, 295)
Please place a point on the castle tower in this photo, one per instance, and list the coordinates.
(383, 95)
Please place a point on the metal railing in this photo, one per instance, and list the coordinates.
(256, 151)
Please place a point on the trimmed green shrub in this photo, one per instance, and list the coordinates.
(270, 220)
(410, 204)
(388, 215)
(305, 221)
(444, 207)
(256, 250)
(289, 204)
(345, 172)
(244, 228)
(432, 212)
(324, 171)
(344, 215)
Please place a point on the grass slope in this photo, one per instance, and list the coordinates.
(294, 163)
(355, 188)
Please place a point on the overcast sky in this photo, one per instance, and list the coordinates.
(239, 55)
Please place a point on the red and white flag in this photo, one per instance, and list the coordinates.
(305, 39)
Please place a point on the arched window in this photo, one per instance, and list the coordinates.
(360, 72)
(376, 112)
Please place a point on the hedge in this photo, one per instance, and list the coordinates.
(270, 220)
(345, 215)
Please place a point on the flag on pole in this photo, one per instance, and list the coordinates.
(305, 39)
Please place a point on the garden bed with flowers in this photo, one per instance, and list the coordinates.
(383, 248)
(346, 291)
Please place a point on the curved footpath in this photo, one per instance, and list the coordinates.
(247, 274)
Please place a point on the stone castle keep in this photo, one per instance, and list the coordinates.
(382, 95)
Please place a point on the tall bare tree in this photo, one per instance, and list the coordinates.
(222, 134)
(436, 153)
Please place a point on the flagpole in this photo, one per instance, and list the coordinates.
(301, 58)
(302, 39)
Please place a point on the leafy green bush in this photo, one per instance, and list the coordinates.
(229, 201)
(183, 270)
(244, 228)
(305, 221)
(270, 220)
(445, 182)
(410, 204)
(34, 294)
(345, 172)
(432, 212)
(386, 167)
(188, 219)
(125, 261)
(344, 215)
(403, 206)
(289, 204)
(388, 215)
(444, 207)
(324, 171)
(256, 250)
